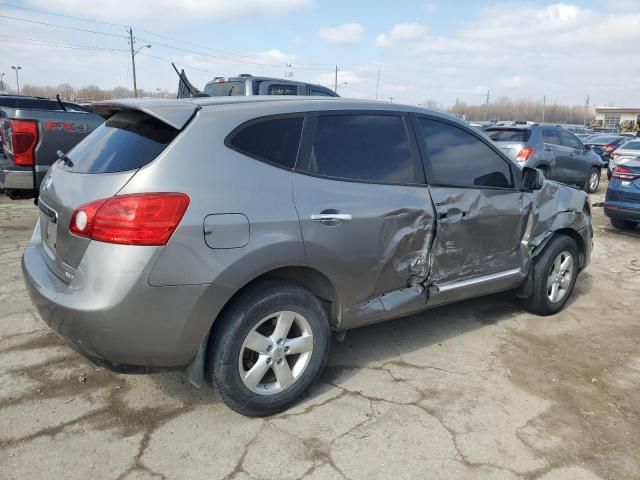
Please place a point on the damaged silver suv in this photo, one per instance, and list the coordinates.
(228, 237)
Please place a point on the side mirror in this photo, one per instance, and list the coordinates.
(532, 179)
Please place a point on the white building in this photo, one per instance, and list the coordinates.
(616, 117)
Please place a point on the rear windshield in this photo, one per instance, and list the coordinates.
(603, 139)
(633, 145)
(508, 134)
(126, 141)
(224, 89)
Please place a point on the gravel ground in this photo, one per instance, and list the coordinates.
(477, 390)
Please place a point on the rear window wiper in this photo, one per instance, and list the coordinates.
(66, 160)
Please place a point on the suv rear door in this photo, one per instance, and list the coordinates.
(481, 214)
(365, 212)
(553, 141)
(578, 164)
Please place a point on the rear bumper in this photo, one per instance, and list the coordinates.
(14, 179)
(622, 211)
(120, 321)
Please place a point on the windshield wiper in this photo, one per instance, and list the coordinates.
(66, 160)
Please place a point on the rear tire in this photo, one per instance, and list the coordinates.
(268, 347)
(593, 181)
(554, 276)
(623, 224)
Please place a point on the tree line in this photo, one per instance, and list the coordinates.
(502, 108)
(523, 109)
(89, 93)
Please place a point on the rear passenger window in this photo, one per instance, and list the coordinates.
(274, 140)
(373, 148)
(456, 157)
(568, 140)
(551, 137)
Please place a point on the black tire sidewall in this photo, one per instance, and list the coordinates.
(539, 302)
(239, 320)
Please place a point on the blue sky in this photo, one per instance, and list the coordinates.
(425, 50)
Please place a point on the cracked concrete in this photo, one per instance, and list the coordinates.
(477, 390)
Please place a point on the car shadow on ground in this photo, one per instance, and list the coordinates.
(385, 341)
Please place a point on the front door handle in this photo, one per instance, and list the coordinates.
(331, 217)
(453, 212)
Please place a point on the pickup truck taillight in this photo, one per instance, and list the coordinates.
(134, 219)
(24, 138)
(525, 154)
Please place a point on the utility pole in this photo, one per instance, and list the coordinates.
(544, 104)
(132, 42)
(391, 99)
(16, 68)
(586, 109)
(2, 82)
(378, 83)
(335, 87)
(133, 62)
(486, 107)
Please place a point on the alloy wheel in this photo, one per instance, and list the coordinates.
(275, 353)
(560, 276)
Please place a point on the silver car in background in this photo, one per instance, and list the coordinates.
(627, 152)
(228, 237)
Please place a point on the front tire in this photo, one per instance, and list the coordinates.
(593, 181)
(623, 224)
(554, 276)
(268, 348)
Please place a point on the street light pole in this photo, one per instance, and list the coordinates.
(133, 59)
(16, 68)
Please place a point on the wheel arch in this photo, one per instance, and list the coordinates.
(306, 277)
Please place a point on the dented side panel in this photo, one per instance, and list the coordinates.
(478, 232)
(378, 259)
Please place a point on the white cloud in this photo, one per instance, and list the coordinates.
(526, 50)
(402, 33)
(345, 34)
(276, 56)
(145, 10)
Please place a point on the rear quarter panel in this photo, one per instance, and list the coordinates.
(221, 181)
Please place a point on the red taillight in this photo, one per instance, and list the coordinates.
(623, 173)
(525, 154)
(609, 148)
(24, 138)
(136, 219)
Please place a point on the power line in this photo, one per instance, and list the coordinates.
(47, 43)
(35, 10)
(64, 26)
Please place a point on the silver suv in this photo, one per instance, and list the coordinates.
(227, 238)
(551, 148)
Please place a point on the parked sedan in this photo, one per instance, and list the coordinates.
(626, 152)
(622, 202)
(605, 145)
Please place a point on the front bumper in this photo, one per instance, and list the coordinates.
(120, 321)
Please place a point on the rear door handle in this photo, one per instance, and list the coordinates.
(331, 218)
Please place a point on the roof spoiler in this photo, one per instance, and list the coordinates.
(185, 88)
(172, 112)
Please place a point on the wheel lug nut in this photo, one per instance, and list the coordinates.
(269, 361)
(269, 348)
(279, 341)
(286, 349)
